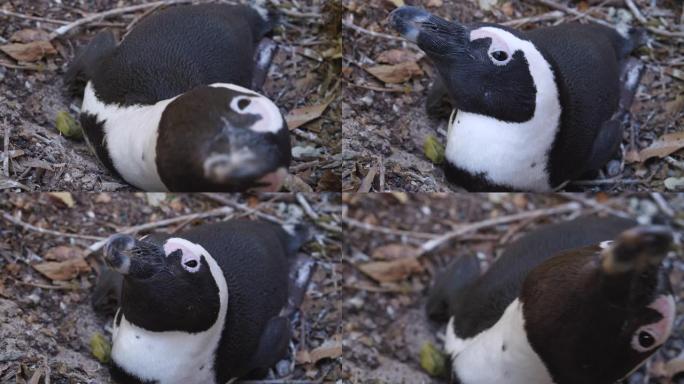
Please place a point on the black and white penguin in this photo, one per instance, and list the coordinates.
(533, 109)
(174, 107)
(206, 305)
(560, 306)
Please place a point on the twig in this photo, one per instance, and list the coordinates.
(193, 216)
(304, 15)
(35, 18)
(44, 231)
(112, 12)
(553, 15)
(607, 181)
(5, 161)
(223, 200)
(349, 24)
(387, 231)
(379, 89)
(307, 208)
(595, 205)
(662, 204)
(435, 243)
(30, 67)
(635, 11)
(566, 9)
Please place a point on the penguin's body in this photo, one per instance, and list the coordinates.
(204, 306)
(534, 109)
(174, 107)
(560, 306)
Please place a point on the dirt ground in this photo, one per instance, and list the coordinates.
(305, 74)
(386, 323)
(385, 124)
(46, 325)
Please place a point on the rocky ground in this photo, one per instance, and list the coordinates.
(385, 124)
(49, 254)
(384, 303)
(303, 82)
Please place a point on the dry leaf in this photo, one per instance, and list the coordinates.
(435, 3)
(63, 270)
(663, 146)
(397, 3)
(676, 106)
(28, 35)
(64, 197)
(63, 252)
(396, 73)
(675, 366)
(300, 116)
(394, 251)
(390, 271)
(397, 56)
(294, 183)
(331, 349)
(33, 51)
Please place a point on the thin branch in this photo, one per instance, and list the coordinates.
(435, 243)
(307, 208)
(223, 200)
(44, 231)
(35, 18)
(112, 12)
(553, 15)
(350, 24)
(595, 205)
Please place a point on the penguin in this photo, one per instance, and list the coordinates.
(533, 110)
(585, 301)
(207, 305)
(174, 106)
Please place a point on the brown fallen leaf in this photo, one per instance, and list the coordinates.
(390, 271)
(675, 366)
(330, 349)
(397, 56)
(33, 51)
(394, 74)
(663, 146)
(63, 270)
(394, 251)
(63, 197)
(300, 116)
(28, 35)
(62, 253)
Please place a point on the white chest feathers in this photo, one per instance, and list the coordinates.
(512, 154)
(173, 357)
(130, 134)
(501, 354)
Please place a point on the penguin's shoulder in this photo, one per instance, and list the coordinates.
(178, 49)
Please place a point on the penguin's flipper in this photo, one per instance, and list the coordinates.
(80, 70)
(605, 145)
(630, 75)
(449, 283)
(263, 57)
(272, 347)
(107, 293)
(301, 271)
(438, 103)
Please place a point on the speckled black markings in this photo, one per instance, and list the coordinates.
(122, 377)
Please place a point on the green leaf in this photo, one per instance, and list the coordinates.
(433, 361)
(100, 348)
(434, 150)
(68, 126)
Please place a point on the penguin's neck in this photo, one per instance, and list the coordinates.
(500, 354)
(130, 135)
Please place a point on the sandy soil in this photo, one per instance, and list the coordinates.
(385, 125)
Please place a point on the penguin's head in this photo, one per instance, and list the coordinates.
(595, 314)
(173, 286)
(222, 137)
(487, 69)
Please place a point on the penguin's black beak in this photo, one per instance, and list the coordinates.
(433, 34)
(632, 263)
(132, 258)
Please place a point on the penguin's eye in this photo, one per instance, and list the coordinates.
(500, 56)
(243, 103)
(644, 340)
(190, 262)
(240, 104)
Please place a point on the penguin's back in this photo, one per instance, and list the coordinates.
(252, 255)
(178, 49)
(586, 61)
(480, 306)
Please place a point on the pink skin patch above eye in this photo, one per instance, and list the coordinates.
(498, 44)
